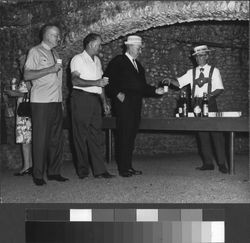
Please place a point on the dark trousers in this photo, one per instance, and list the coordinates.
(128, 115)
(47, 138)
(207, 139)
(212, 141)
(86, 125)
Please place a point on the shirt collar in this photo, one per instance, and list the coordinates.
(129, 56)
(46, 46)
(88, 56)
(205, 66)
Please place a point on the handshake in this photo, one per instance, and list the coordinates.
(163, 86)
(165, 82)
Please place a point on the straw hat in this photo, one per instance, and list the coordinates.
(133, 40)
(200, 50)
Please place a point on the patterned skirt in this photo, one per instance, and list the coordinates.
(23, 130)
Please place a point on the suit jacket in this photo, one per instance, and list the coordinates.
(123, 77)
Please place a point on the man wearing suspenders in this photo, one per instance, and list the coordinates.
(206, 79)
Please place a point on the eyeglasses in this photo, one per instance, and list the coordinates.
(56, 35)
(138, 48)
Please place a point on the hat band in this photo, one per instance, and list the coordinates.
(133, 42)
(201, 51)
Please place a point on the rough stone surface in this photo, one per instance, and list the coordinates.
(117, 18)
(165, 179)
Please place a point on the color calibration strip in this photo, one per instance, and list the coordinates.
(144, 225)
(124, 215)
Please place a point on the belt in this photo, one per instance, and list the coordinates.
(87, 93)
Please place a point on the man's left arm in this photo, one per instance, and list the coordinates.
(149, 90)
(154, 91)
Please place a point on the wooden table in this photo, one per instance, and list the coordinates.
(222, 124)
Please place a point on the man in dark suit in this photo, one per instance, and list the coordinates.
(127, 86)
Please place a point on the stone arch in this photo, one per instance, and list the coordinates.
(119, 18)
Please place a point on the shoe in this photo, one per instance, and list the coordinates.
(25, 172)
(39, 182)
(83, 176)
(105, 175)
(223, 169)
(57, 178)
(205, 167)
(125, 174)
(134, 172)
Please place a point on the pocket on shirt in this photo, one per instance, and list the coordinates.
(45, 62)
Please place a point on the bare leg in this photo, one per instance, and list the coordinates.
(27, 157)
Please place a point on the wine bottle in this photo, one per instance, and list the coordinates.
(205, 109)
(182, 105)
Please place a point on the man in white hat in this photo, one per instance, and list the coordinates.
(206, 79)
(127, 86)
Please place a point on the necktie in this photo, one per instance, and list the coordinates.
(135, 65)
(53, 55)
(201, 73)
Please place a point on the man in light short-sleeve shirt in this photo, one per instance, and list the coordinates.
(45, 71)
(87, 99)
(206, 79)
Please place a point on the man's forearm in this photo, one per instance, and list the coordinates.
(103, 97)
(77, 81)
(174, 82)
(35, 74)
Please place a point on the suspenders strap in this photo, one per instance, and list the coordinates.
(210, 79)
(193, 88)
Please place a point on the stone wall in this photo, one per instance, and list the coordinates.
(166, 52)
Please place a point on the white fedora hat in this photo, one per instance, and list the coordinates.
(200, 50)
(134, 40)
